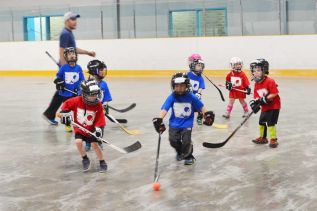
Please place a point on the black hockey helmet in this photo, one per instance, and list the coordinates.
(68, 51)
(264, 64)
(95, 66)
(192, 66)
(90, 91)
(180, 78)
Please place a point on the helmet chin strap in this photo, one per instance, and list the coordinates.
(72, 63)
(259, 79)
(196, 72)
(98, 77)
(88, 102)
(180, 93)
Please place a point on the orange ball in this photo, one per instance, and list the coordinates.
(156, 186)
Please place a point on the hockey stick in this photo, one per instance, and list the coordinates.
(218, 145)
(221, 95)
(122, 121)
(219, 126)
(156, 173)
(54, 60)
(137, 145)
(130, 132)
(125, 109)
(68, 90)
(239, 90)
(110, 118)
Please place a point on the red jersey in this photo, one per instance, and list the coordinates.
(267, 86)
(88, 116)
(239, 81)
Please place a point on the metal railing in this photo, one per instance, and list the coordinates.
(153, 18)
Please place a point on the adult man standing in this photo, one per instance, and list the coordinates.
(66, 40)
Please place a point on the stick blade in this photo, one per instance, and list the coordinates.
(137, 145)
(125, 109)
(220, 126)
(122, 121)
(131, 132)
(214, 145)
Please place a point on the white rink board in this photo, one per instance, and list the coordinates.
(283, 52)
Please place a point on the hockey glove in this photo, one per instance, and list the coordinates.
(159, 125)
(105, 108)
(263, 101)
(59, 84)
(76, 91)
(209, 118)
(248, 89)
(198, 95)
(255, 105)
(99, 132)
(228, 85)
(66, 117)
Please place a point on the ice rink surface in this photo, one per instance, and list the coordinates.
(40, 168)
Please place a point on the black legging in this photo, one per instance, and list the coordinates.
(55, 103)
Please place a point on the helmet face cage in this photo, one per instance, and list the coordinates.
(180, 78)
(235, 61)
(90, 92)
(264, 64)
(67, 52)
(252, 66)
(255, 64)
(193, 65)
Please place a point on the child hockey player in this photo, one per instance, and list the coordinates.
(88, 113)
(69, 76)
(266, 96)
(237, 79)
(255, 62)
(196, 67)
(98, 70)
(183, 104)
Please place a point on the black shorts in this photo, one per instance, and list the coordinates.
(269, 117)
(85, 138)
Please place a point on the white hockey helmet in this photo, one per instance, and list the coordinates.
(235, 61)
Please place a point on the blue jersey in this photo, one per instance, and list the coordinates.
(196, 81)
(72, 76)
(67, 39)
(183, 108)
(105, 93)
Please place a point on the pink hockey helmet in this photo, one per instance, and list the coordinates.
(193, 57)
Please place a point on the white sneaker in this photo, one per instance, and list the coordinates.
(226, 115)
(245, 114)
